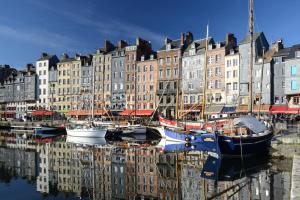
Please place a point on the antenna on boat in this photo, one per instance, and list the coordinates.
(205, 73)
(251, 25)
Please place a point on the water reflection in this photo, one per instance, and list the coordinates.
(159, 170)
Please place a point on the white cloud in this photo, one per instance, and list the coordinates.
(37, 37)
(105, 26)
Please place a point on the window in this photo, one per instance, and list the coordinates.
(235, 73)
(161, 61)
(168, 60)
(218, 71)
(235, 85)
(198, 73)
(175, 59)
(228, 87)
(282, 71)
(168, 72)
(175, 72)
(161, 85)
(228, 74)
(185, 99)
(258, 86)
(257, 73)
(295, 100)
(294, 85)
(209, 59)
(228, 63)
(209, 84)
(293, 70)
(209, 72)
(218, 58)
(283, 84)
(191, 86)
(161, 72)
(191, 75)
(217, 84)
(192, 99)
(235, 62)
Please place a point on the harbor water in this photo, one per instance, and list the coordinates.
(72, 168)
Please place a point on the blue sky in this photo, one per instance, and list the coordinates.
(57, 26)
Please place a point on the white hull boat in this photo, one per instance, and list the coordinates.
(86, 140)
(95, 132)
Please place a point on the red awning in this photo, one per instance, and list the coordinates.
(136, 112)
(293, 111)
(277, 109)
(42, 113)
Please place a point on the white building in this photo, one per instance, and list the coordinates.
(232, 61)
(43, 65)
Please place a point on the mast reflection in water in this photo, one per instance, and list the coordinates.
(62, 169)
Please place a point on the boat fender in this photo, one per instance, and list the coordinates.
(193, 138)
(187, 139)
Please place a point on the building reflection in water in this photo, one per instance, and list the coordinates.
(111, 172)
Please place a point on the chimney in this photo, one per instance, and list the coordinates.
(189, 37)
(44, 55)
(167, 40)
(29, 67)
(65, 56)
(230, 40)
(122, 44)
(108, 46)
(276, 46)
(182, 39)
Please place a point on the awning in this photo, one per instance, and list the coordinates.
(229, 109)
(85, 113)
(213, 109)
(293, 111)
(263, 108)
(136, 112)
(242, 109)
(278, 109)
(42, 113)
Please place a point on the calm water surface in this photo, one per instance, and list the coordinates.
(69, 168)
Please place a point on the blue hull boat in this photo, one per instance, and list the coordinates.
(257, 141)
(183, 136)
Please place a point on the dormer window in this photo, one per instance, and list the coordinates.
(143, 58)
(193, 46)
(168, 47)
(192, 52)
(151, 57)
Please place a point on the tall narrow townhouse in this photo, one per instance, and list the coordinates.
(63, 96)
(147, 82)
(169, 58)
(215, 91)
(279, 79)
(193, 62)
(102, 61)
(263, 79)
(118, 99)
(259, 43)
(232, 67)
(292, 79)
(43, 65)
(85, 83)
(133, 54)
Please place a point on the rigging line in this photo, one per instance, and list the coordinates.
(151, 118)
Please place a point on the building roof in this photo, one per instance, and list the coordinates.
(256, 35)
(292, 52)
(175, 44)
(45, 56)
(282, 52)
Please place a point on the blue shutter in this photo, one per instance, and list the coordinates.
(293, 70)
(294, 85)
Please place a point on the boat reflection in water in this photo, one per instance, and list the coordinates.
(129, 170)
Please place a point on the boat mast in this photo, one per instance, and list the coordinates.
(251, 23)
(205, 74)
